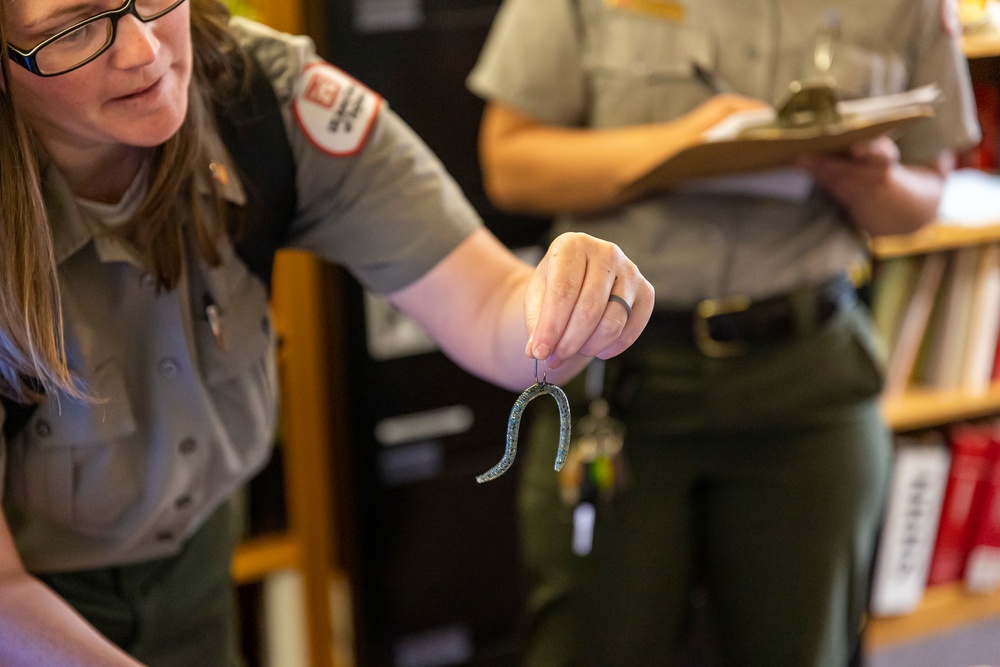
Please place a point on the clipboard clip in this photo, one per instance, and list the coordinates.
(811, 104)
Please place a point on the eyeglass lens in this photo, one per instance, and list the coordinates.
(91, 37)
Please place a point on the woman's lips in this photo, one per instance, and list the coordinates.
(139, 94)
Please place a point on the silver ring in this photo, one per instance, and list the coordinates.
(623, 302)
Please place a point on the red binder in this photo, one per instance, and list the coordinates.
(968, 481)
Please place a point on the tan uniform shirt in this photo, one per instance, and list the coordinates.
(185, 421)
(606, 64)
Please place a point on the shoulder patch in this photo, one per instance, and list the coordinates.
(334, 110)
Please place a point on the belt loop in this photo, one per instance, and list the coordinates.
(804, 309)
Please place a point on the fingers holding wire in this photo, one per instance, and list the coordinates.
(590, 300)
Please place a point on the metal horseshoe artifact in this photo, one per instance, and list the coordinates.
(514, 425)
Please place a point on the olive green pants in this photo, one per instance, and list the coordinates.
(171, 612)
(761, 477)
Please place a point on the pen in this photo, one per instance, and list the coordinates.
(214, 316)
(710, 78)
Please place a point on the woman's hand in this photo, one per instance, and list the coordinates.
(568, 309)
(881, 194)
(492, 313)
(867, 166)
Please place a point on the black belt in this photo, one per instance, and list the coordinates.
(725, 326)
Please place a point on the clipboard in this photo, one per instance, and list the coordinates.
(774, 143)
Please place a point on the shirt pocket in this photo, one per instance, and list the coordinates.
(641, 69)
(862, 72)
(75, 464)
(237, 350)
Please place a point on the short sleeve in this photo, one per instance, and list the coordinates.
(388, 213)
(531, 60)
(372, 196)
(938, 59)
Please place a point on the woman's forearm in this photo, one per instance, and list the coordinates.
(907, 201)
(492, 314)
(534, 167)
(39, 628)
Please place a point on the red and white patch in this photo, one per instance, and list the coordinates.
(335, 111)
(949, 18)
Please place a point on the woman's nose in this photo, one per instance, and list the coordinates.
(135, 44)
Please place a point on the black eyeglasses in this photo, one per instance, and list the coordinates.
(77, 45)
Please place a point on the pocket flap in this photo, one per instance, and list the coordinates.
(68, 423)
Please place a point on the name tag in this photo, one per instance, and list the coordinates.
(664, 9)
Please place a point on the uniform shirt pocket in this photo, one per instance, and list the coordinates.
(238, 355)
(234, 331)
(861, 72)
(641, 69)
(74, 463)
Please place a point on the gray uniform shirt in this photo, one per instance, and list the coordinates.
(183, 420)
(601, 64)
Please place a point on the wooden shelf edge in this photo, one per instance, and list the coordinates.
(260, 556)
(920, 407)
(981, 44)
(943, 608)
(933, 238)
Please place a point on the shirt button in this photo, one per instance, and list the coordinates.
(148, 280)
(183, 501)
(43, 429)
(165, 536)
(188, 445)
(169, 368)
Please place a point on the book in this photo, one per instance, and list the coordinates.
(914, 324)
(283, 619)
(949, 340)
(982, 568)
(892, 291)
(752, 140)
(920, 472)
(984, 322)
(971, 453)
(995, 375)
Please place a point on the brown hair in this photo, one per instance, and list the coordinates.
(32, 355)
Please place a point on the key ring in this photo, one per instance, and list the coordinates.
(514, 425)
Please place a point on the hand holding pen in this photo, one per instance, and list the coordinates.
(711, 79)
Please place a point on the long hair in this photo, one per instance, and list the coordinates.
(32, 353)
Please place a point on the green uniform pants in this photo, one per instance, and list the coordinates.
(171, 612)
(761, 476)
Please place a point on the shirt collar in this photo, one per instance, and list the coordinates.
(71, 232)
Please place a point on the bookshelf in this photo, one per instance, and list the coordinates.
(943, 608)
(947, 607)
(934, 238)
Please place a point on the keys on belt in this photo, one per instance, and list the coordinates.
(596, 469)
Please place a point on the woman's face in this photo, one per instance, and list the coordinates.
(134, 94)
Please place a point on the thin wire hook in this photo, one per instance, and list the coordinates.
(545, 374)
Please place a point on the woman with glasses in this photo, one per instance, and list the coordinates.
(142, 339)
